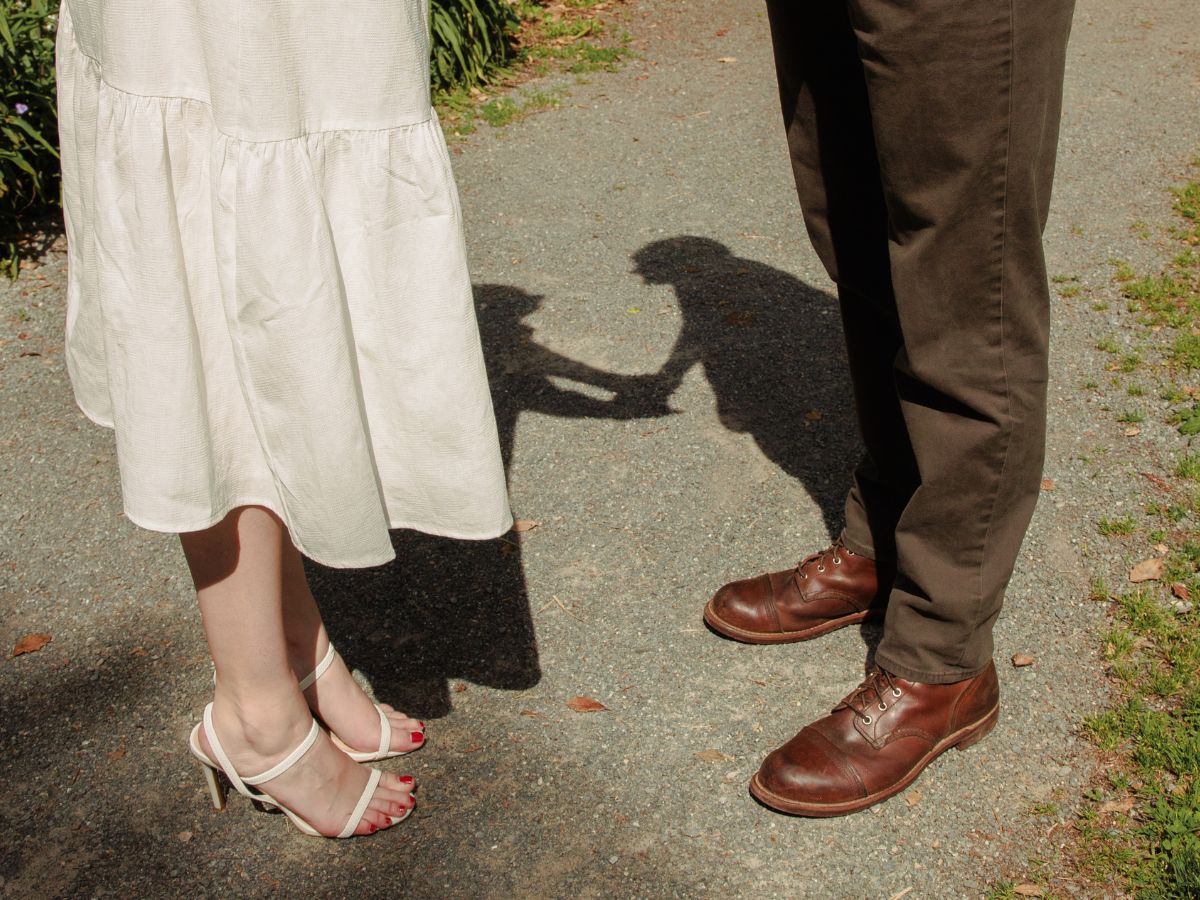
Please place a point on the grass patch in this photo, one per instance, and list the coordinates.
(1138, 831)
(506, 110)
(567, 37)
(1122, 527)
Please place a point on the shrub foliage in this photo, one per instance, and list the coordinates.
(28, 123)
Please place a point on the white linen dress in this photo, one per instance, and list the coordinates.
(268, 297)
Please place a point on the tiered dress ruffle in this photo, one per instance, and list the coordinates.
(268, 295)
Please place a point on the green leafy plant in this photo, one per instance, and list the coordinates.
(471, 39)
(28, 121)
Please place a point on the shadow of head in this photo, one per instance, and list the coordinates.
(772, 349)
(677, 259)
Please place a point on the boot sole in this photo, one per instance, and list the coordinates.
(781, 637)
(965, 737)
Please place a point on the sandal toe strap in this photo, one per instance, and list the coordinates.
(385, 732)
(363, 801)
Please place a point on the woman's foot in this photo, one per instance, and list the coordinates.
(349, 714)
(324, 786)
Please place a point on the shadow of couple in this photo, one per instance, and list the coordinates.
(771, 348)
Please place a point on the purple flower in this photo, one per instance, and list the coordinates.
(21, 109)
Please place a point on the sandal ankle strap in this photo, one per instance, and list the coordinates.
(275, 771)
(326, 661)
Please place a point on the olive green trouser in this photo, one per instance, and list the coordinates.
(923, 136)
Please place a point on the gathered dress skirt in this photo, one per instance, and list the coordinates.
(268, 293)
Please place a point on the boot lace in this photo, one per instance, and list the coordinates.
(834, 555)
(872, 695)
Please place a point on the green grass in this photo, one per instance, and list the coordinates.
(1138, 830)
(1122, 527)
(550, 38)
(506, 110)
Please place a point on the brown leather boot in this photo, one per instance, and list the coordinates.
(875, 743)
(826, 591)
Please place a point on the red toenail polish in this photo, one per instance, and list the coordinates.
(418, 737)
(406, 779)
(422, 724)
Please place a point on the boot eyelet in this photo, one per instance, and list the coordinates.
(883, 707)
(820, 568)
(895, 692)
(837, 560)
(867, 720)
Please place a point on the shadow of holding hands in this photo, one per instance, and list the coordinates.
(449, 609)
(774, 354)
(772, 350)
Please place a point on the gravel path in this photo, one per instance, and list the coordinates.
(640, 264)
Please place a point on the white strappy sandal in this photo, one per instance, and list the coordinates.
(385, 727)
(245, 786)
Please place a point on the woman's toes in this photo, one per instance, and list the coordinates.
(396, 784)
(395, 807)
(401, 722)
(373, 820)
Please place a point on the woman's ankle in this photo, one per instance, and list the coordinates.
(267, 722)
(305, 651)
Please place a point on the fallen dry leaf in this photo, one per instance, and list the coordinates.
(139, 651)
(119, 753)
(813, 416)
(531, 714)
(1147, 570)
(31, 643)
(1048, 484)
(727, 59)
(1115, 806)
(1181, 591)
(1020, 660)
(458, 687)
(522, 525)
(912, 798)
(1132, 431)
(473, 748)
(1159, 483)
(1162, 548)
(585, 704)
(184, 836)
(713, 756)
(899, 894)
(1029, 890)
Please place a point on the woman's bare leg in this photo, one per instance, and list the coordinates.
(258, 709)
(335, 696)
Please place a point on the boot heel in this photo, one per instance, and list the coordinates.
(216, 790)
(980, 731)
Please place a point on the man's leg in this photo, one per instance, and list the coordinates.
(830, 137)
(964, 98)
(831, 140)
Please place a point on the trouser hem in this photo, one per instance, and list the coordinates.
(856, 548)
(942, 676)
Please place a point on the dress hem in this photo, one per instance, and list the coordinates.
(368, 562)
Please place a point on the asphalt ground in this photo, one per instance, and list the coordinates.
(641, 271)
